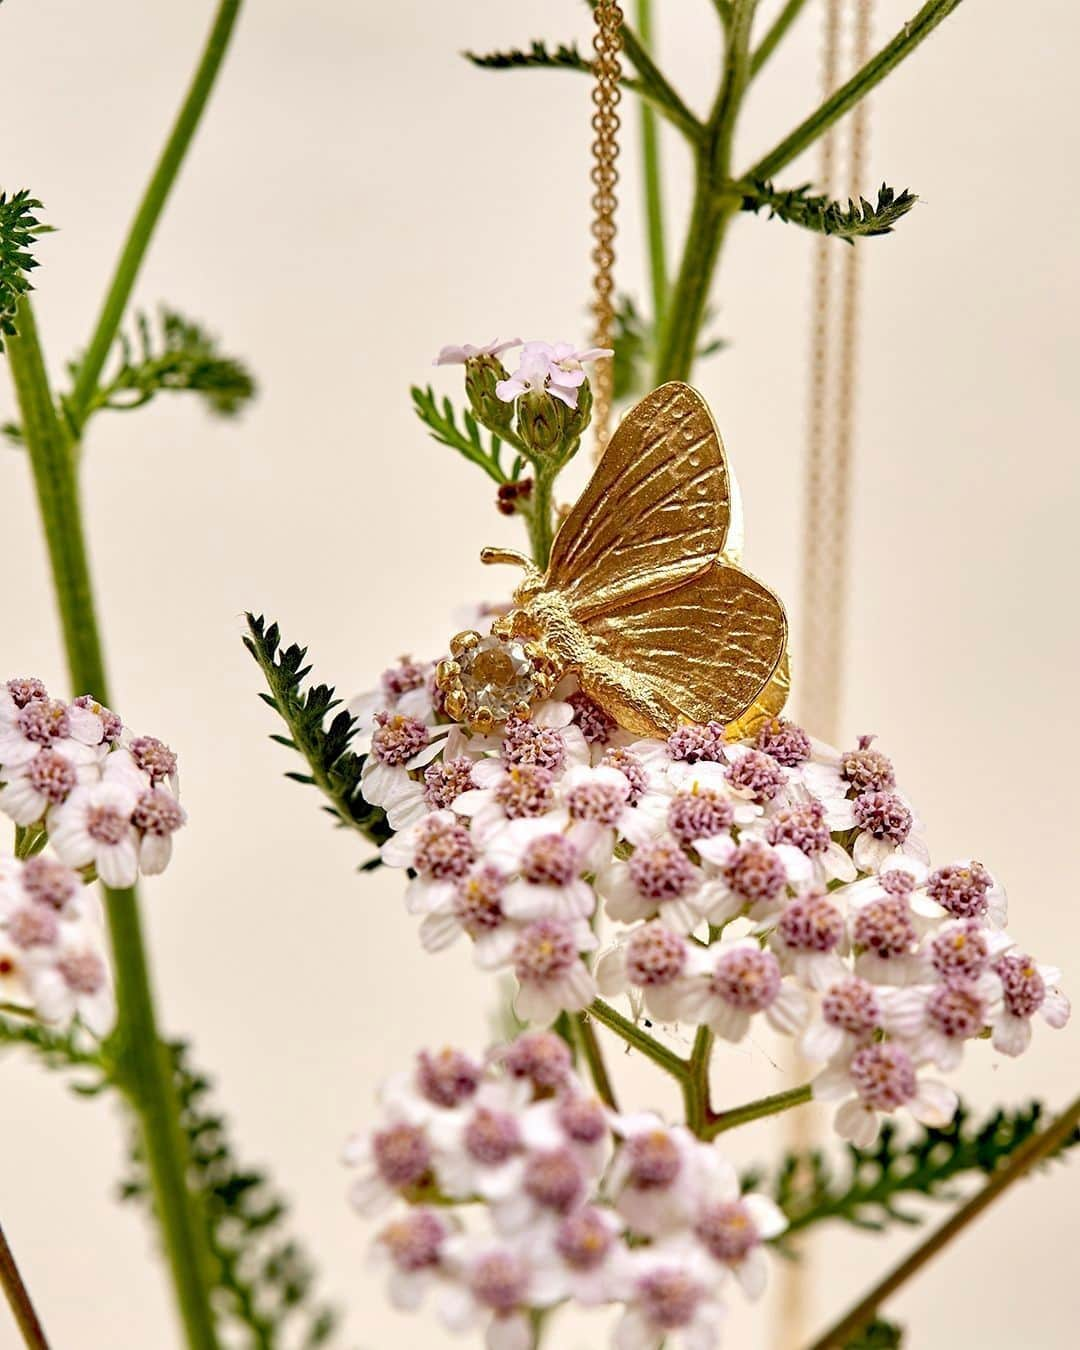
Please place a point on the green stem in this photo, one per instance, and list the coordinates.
(141, 1063)
(150, 208)
(640, 1040)
(594, 1058)
(775, 34)
(712, 208)
(696, 1086)
(653, 185)
(540, 519)
(720, 1121)
(860, 84)
(1040, 1146)
(18, 1296)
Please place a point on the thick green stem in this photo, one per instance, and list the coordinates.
(1040, 1146)
(652, 184)
(640, 1040)
(150, 208)
(142, 1068)
(712, 208)
(720, 1121)
(696, 1086)
(541, 518)
(860, 84)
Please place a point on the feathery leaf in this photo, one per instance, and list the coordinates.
(798, 206)
(19, 227)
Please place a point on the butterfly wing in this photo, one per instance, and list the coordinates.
(655, 512)
(707, 650)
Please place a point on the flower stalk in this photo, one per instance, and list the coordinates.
(18, 1296)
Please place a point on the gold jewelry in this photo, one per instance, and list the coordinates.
(638, 600)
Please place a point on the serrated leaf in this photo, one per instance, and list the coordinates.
(798, 206)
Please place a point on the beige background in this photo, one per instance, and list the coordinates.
(359, 196)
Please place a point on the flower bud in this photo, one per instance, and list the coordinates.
(541, 422)
(482, 374)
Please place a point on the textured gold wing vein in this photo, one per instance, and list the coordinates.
(655, 511)
(708, 648)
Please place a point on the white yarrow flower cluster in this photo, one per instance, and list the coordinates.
(713, 882)
(580, 1203)
(106, 799)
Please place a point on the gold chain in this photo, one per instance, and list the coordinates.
(607, 44)
(827, 497)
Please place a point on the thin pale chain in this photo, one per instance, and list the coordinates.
(827, 505)
(607, 44)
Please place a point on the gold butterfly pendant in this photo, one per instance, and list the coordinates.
(638, 600)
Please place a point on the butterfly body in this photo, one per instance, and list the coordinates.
(638, 599)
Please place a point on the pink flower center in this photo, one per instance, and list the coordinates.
(51, 774)
(48, 881)
(402, 1155)
(444, 850)
(526, 743)
(551, 860)
(584, 1239)
(669, 1298)
(852, 1006)
(446, 780)
(803, 827)
(403, 678)
(884, 1076)
(631, 769)
(544, 951)
(106, 824)
(492, 1137)
(447, 1078)
(478, 900)
(885, 927)
(414, 1241)
(661, 871)
(158, 812)
(596, 726)
(554, 1179)
(758, 776)
(654, 1160)
(755, 873)
(540, 1056)
(961, 890)
(500, 1281)
(33, 926)
(1023, 986)
(527, 790)
(111, 725)
(397, 739)
(787, 743)
(726, 1230)
(867, 770)
(957, 1011)
(153, 757)
(601, 803)
(698, 742)
(883, 815)
(654, 955)
(811, 924)
(699, 815)
(26, 689)
(583, 1119)
(43, 720)
(960, 951)
(83, 972)
(747, 978)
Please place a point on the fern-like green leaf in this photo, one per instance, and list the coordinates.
(441, 421)
(872, 1191)
(19, 227)
(177, 355)
(334, 768)
(264, 1285)
(798, 206)
(538, 56)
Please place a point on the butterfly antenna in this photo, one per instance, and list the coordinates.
(507, 555)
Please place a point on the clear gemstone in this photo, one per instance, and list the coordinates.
(497, 674)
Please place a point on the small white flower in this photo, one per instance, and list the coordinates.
(94, 826)
(659, 879)
(497, 1280)
(736, 979)
(655, 1178)
(1027, 988)
(476, 906)
(556, 368)
(881, 1077)
(75, 982)
(412, 1244)
(732, 1227)
(651, 964)
(551, 976)
(45, 780)
(671, 1302)
(48, 724)
(547, 868)
(457, 356)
